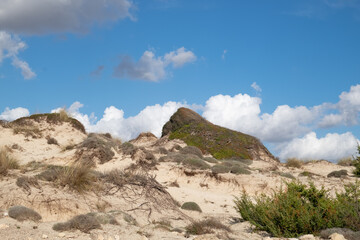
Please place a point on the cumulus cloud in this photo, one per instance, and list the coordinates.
(10, 46)
(242, 113)
(152, 68)
(13, 114)
(331, 147)
(256, 87)
(54, 16)
(150, 119)
(347, 109)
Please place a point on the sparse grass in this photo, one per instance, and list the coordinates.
(52, 118)
(205, 227)
(63, 115)
(191, 206)
(346, 162)
(7, 162)
(301, 209)
(96, 146)
(28, 131)
(22, 213)
(85, 223)
(307, 174)
(287, 175)
(294, 163)
(79, 177)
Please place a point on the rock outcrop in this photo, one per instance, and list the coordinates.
(221, 142)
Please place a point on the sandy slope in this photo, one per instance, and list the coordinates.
(214, 196)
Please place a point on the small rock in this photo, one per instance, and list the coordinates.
(144, 238)
(44, 236)
(266, 238)
(307, 237)
(336, 236)
(61, 235)
(4, 226)
(117, 237)
(6, 214)
(110, 238)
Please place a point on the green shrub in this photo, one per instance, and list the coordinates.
(191, 150)
(195, 163)
(210, 160)
(192, 206)
(231, 166)
(337, 174)
(293, 212)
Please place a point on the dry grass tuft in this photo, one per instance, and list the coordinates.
(28, 131)
(79, 177)
(22, 213)
(346, 162)
(205, 227)
(7, 162)
(294, 163)
(63, 115)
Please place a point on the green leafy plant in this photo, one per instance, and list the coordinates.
(299, 209)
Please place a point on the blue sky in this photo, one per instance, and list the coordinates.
(135, 54)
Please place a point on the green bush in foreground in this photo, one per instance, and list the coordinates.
(302, 209)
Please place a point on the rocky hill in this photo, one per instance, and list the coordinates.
(220, 142)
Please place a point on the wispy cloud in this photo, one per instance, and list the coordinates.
(256, 87)
(10, 47)
(152, 68)
(98, 71)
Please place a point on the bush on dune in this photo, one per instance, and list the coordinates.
(301, 209)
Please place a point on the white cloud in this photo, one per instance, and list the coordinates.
(347, 109)
(150, 119)
(242, 113)
(54, 16)
(331, 147)
(179, 57)
(13, 114)
(10, 46)
(256, 87)
(152, 68)
(25, 69)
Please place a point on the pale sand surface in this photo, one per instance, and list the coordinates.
(215, 197)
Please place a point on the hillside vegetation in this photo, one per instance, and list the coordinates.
(221, 142)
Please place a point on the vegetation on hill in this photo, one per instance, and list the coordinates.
(52, 118)
(302, 209)
(221, 142)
